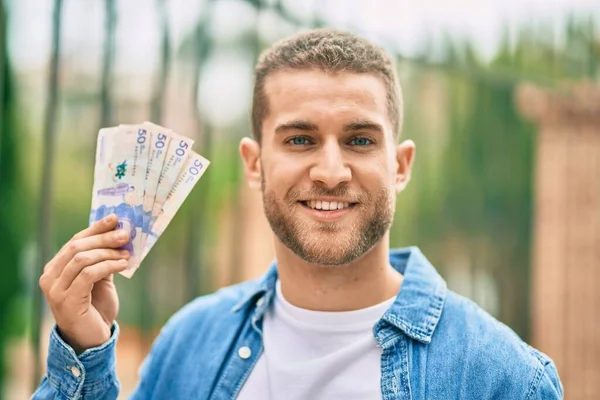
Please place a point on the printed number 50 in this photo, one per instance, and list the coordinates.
(160, 142)
(141, 139)
(180, 150)
(196, 167)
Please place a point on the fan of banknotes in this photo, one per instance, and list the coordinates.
(143, 174)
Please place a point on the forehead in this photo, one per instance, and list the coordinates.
(315, 94)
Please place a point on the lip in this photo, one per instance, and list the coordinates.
(326, 216)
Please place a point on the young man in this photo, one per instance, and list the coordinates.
(338, 315)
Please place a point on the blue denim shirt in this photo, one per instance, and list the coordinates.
(436, 345)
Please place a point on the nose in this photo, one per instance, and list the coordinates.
(330, 168)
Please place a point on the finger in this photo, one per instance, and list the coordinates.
(112, 239)
(105, 224)
(84, 282)
(63, 256)
(85, 259)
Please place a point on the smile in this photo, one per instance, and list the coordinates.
(326, 205)
(327, 211)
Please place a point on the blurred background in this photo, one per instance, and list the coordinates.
(501, 97)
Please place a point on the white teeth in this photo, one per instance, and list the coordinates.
(327, 205)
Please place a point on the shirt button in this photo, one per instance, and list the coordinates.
(260, 301)
(75, 371)
(244, 352)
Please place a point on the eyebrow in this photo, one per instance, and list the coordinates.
(363, 125)
(301, 125)
(298, 125)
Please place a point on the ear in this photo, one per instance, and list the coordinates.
(250, 153)
(405, 155)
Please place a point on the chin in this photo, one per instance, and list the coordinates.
(333, 252)
(328, 261)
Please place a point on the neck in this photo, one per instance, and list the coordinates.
(364, 282)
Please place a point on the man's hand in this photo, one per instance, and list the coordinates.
(78, 284)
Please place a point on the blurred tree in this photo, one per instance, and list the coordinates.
(196, 270)
(478, 190)
(157, 105)
(158, 97)
(45, 200)
(12, 199)
(106, 118)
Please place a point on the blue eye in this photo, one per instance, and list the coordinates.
(361, 141)
(299, 141)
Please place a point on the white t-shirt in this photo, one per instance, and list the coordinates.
(317, 355)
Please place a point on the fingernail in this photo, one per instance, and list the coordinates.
(124, 253)
(120, 235)
(122, 263)
(108, 218)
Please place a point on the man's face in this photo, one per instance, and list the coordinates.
(329, 164)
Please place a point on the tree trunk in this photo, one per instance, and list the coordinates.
(194, 270)
(45, 201)
(156, 114)
(106, 117)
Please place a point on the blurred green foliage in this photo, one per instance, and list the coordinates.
(13, 204)
(471, 194)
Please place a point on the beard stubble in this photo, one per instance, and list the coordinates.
(329, 243)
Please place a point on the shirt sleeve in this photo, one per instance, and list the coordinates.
(91, 375)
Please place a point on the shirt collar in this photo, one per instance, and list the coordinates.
(416, 311)
(418, 307)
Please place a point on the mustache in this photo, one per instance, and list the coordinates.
(295, 194)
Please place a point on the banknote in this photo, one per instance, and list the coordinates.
(176, 156)
(119, 180)
(143, 173)
(160, 137)
(194, 167)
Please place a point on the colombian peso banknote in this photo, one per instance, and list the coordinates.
(177, 154)
(160, 138)
(143, 174)
(193, 169)
(119, 180)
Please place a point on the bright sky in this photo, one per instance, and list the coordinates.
(403, 24)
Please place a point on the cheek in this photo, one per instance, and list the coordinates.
(374, 174)
(282, 174)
